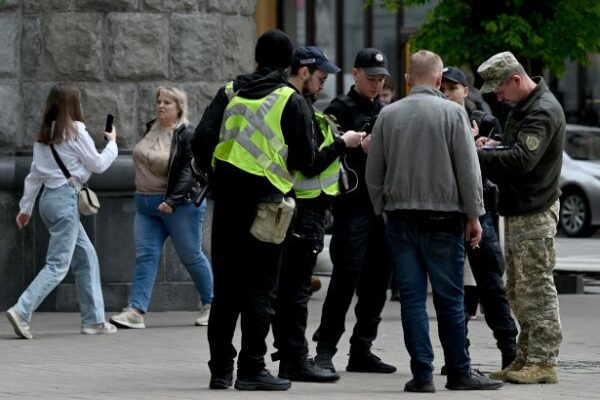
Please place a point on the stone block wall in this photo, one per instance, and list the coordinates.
(117, 52)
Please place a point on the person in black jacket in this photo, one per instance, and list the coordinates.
(245, 268)
(486, 261)
(305, 239)
(527, 172)
(359, 249)
(163, 179)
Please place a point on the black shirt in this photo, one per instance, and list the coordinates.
(353, 111)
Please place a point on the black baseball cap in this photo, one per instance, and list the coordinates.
(372, 61)
(453, 74)
(311, 55)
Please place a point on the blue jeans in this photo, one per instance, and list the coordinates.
(69, 246)
(151, 228)
(417, 254)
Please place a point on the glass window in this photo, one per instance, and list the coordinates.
(300, 22)
(353, 38)
(325, 39)
(414, 17)
(567, 88)
(384, 37)
(583, 144)
(590, 110)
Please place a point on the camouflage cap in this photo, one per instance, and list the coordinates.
(496, 69)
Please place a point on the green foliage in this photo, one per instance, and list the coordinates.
(391, 5)
(541, 33)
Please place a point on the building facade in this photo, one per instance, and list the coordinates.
(342, 27)
(117, 52)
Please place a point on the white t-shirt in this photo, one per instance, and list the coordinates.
(79, 156)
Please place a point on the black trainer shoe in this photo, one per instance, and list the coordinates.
(473, 381)
(368, 362)
(325, 361)
(221, 381)
(419, 387)
(263, 381)
(444, 371)
(306, 371)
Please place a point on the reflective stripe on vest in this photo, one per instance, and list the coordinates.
(328, 180)
(251, 138)
(229, 90)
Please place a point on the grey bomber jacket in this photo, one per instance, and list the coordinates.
(423, 157)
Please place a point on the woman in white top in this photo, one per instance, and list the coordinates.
(69, 245)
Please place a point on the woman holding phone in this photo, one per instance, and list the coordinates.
(69, 246)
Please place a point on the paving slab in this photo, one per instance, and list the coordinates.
(167, 360)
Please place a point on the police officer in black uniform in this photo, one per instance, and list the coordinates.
(358, 247)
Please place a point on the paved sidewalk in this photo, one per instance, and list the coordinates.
(168, 359)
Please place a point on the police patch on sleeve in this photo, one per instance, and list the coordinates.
(532, 142)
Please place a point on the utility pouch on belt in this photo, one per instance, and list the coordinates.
(272, 220)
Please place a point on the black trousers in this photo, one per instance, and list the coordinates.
(245, 278)
(487, 264)
(361, 263)
(303, 244)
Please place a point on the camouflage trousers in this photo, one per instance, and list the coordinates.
(530, 259)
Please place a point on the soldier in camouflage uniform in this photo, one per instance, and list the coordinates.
(527, 173)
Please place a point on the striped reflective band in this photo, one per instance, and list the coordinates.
(256, 123)
(315, 183)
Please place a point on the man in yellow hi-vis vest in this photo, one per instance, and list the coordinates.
(256, 135)
(313, 190)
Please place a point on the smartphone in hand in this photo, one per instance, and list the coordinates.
(109, 123)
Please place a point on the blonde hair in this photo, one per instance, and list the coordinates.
(425, 66)
(180, 99)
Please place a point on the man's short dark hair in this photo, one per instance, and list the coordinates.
(296, 67)
(274, 49)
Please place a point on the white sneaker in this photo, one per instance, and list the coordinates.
(21, 327)
(204, 315)
(103, 328)
(129, 318)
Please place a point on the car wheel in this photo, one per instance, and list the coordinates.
(575, 215)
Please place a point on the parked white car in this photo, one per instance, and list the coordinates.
(580, 182)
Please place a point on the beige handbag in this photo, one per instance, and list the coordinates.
(273, 220)
(87, 199)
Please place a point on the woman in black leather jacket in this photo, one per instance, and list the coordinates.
(163, 179)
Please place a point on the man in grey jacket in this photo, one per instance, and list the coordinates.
(423, 176)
